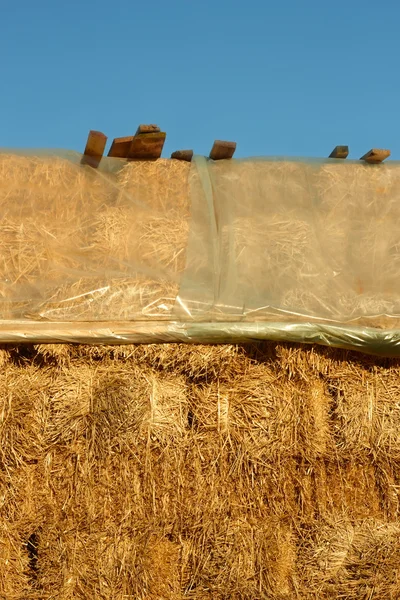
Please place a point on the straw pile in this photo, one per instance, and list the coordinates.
(78, 244)
(293, 240)
(198, 472)
(318, 240)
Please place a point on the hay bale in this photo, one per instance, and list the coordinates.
(81, 245)
(162, 475)
(17, 523)
(296, 241)
(47, 206)
(160, 218)
(310, 239)
(162, 185)
(353, 560)
(21, 519)
(141, 239)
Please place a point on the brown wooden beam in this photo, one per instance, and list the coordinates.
(94, 150)
(147, 146)
(339, 152)
(376, 155)
(222, 150)
(120, 147)
(186, 155)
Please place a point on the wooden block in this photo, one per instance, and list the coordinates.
(148, 129)
(339, 152)
(147, 146)
(94, 150)
(120, 147)
(222, 150)
(183, 155)
(376, 155)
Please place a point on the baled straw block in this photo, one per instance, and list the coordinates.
(48, 206)
(310, 239)
(76, 244)
(161, 220)
(268, 470)
(344, 559)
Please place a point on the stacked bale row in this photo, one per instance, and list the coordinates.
(280, 240)
(205, 472)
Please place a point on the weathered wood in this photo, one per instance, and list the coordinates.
(339, 152)
(94, 150)
(376, 155)
(147, 146)
(222, 150)
(120, 147)
(183, 155)
(148, 129)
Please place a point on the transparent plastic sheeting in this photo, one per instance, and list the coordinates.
(225, 251)
(366, 339)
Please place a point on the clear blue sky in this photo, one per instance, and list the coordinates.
(280, 78)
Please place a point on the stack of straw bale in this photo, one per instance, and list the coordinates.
(178, 472)
(292, 240)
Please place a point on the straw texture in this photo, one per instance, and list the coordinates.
(178, 472)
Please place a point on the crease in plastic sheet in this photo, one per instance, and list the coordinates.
(284, 249)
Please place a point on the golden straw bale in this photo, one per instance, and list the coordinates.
(162, 185)
(274, 257)
(21, 519)
(357, 221)
(198, 363)
(108, 432)
(129, 238)
(349, 488)
(351, 560)
(145, 471)
(274, 419)
(22, 413)
(47, 206)
(103, 406)
(149, 227)
(310, 239)
(74, 247)
(366, 412)
(113, 561)
(358, 215)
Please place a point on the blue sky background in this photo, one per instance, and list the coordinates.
(287, 77)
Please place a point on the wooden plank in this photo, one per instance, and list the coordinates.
(376, 155)
(183, 155)
(222, 150)
(339, 152)
(94, 150)
(148, 129)
(147, 146)
(120, 147)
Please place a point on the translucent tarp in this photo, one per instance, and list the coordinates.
(298, 250)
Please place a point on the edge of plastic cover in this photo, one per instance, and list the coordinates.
(366, 339)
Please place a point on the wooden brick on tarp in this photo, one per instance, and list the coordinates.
(146, 146)
(94, 150)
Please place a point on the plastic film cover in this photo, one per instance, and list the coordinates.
(233, 250)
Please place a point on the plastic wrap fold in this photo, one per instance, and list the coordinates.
(212, 251)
